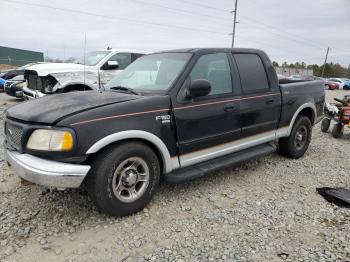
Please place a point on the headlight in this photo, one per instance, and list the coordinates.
(50, 140)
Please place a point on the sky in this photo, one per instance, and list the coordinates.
(299, 30)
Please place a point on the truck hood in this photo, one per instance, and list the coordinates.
(54, 68)
(51, 109)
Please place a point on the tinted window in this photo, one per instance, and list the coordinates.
(135, 56)
(252, 72)
(124, 59)
(216, 69)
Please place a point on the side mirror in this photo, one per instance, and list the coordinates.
(112, 65)
(199, 87)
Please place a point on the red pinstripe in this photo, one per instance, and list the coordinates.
(167, 109)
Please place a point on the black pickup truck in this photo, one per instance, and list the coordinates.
(172, 115)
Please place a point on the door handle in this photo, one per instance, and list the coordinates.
(270, 101)
(229, 107)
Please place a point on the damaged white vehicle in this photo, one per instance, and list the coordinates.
(93, 70)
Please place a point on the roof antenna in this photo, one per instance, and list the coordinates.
(84, 57)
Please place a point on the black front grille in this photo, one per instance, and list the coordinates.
(7, 85)
(14, 135)
(32, 82)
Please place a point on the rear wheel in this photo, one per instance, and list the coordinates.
(124, 178)
(337, 130)
(325, 125)
(299, 139)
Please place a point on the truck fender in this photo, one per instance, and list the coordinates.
(169, 163)
(285, 132)
(72, 83)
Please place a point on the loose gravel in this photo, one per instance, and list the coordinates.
(264, 210)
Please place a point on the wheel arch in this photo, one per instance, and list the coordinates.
(168, 163)
(76, 87)
(308, 110)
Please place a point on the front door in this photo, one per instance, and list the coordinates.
(207, 125)
(123, 59)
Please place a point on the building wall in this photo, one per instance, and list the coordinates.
(288, 71)
(19, 57)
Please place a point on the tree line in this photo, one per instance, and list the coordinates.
(331, 69)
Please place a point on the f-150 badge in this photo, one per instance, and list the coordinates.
(164, 118)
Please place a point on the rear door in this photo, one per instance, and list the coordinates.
(206, 126)
(260, 104)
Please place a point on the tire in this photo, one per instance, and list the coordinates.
(346, 87)
(326, 122)
(299, 139)
(337, 130)
(113, 181)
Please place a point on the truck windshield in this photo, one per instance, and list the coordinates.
(92, 58)
(152, 73)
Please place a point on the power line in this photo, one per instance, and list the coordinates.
(177, 10)
(203, 5)
(111, 17)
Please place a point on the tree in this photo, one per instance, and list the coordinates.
(275, 64)
(70, 60)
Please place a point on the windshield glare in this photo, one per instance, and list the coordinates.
(93, 58)
(152, 73)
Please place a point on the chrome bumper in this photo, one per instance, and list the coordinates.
(46, 172)
(31, 94)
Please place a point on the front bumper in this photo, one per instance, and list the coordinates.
(31, 94)
(46, 172)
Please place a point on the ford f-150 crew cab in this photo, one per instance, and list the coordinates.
(174, 115)
(90, 72)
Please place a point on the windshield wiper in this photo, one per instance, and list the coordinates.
(126, 89)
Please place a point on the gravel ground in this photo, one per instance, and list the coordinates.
(264, 210)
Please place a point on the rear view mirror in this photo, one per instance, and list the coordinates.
(199, 87)
(112, 64)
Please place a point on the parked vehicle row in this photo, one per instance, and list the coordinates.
(172, 115)
(343, 83)
(330, 83)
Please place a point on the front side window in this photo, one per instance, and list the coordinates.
(216, 69)
(252, 73)
(93, 58)
(153, 73)
(123, 59)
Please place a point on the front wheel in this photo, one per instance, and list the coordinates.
(123, 178)
(337, 130)
(299, 139)
(326, 122)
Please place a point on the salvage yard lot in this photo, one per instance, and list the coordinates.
(267, 209)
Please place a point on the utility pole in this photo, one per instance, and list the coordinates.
(234, 24)
(325, 61)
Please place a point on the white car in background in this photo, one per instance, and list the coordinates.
(92, 71)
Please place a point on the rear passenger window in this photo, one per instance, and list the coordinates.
(252, 72)
(216, 69)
